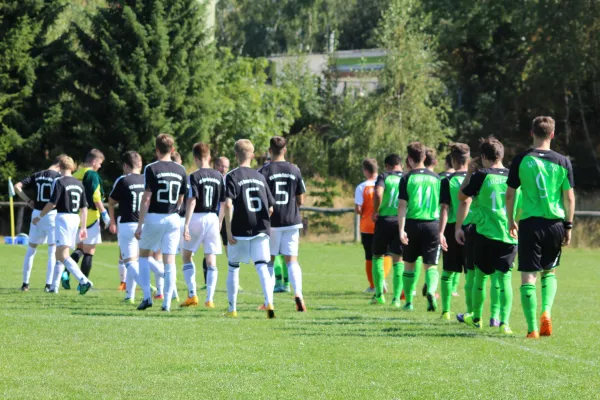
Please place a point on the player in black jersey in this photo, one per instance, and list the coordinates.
(159, 224)
(39, 183)
(206, 192)
(287, 187)
(68, 197)
(248, 205)
(127, 193)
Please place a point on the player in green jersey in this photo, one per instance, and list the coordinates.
(387, 235)
(454, 253)
(548, 206)
(495, 249)
(418, 214)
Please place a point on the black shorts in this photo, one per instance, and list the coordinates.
(540, 244)
(470, 235)
(493, 255)
(423, 241)
(387, 237)
(367, 242)
(454, 258)
(224, 235)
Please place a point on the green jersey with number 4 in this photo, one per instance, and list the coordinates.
(489, 185)
(390, 182)
(420, 188)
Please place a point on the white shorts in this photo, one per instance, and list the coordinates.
(181, 240)
(161, 232)
(285, 242)
(93, 234)
(128, 244)
(44, 231)
(204, 230)
(247, 249)
(66, 229)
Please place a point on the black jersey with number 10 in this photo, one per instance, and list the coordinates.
(285, 182)
(67, 195)
(40, 183)
(167, 181)
(206, 186)
(251, 197)
(128, 191)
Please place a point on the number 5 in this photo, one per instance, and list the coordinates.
(286, 196)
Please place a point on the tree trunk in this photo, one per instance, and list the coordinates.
(586, 131)
(567, 116)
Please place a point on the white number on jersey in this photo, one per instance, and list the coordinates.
(41, 196)
(254, 203)
(75, 201)
(282, 192)
(393, 198)
(498, 197)
(208, 196)
(424, 200)
(171, 188)
(137, 202)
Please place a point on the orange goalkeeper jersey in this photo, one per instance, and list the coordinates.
(363, 196)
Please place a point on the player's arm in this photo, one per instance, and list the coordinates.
(143, 211)
(111, 212)
(300, 199)
(358, 200)
(22, 195)
(465, 198)
(569, 202)
(83, 212)
(190, 206)
(402, 206)
(377, 196)
(461, 213)
(228, 206)
(444, 209)
(510, 211)
(47, 208)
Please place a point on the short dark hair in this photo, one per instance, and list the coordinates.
(416, 151)
(370, 165)
(448, 160)
(164, 143)
(176, 157)
(277, 145)
(93, 154)
(201, 150)
(491, 148)
(542, 127)
(430, 157)
(392, 160)
(132, 159)
(460, 153)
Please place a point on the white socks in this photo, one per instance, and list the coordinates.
(233, 283)
(271, 269)
(58, 270)
(122, 271)
(159, 273)
(211, 282)
(189, 273)
(170, 280)
(51, 263)
(74, 269)
(266, 282)
(28, 263)
(295, 274)
(144, 275)
(131, 278)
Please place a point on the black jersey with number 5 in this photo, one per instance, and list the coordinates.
(167, 180)
(68, 196)
(128, 191)
(206, 186)
(40, 183)
(285, 182)
(251, 197)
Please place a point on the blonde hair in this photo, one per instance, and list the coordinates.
(66, 163)
(244, 149)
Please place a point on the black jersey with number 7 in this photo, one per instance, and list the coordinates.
(167, 181)
(67, 195)
(285, 182)
(251, 197)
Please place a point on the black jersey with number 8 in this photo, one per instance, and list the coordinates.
(251, 197)
(167, 181)
(67, 195)
(206, 185)
(128, 191)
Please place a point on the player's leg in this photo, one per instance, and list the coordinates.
(456, 284)
(469, 248)
(28, 265)
(551, 252)
(37, 235)
(88, 255)
(395, 248)
(504, 265)
(430, 252)
(196, 231)
(259, 253)
(62, 254)
(290, 243)
(367, 243)
(451, 262)
(484, 267)
(380, 246)
(494, 301)
(236, 253)
(274, 266)
(277, 265)
(157, 267)
(212, 248)
(170, 246)
(129, 253)
(50, 230)
(122, 274)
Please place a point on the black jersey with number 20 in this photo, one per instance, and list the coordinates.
(128, 191)
(67, 195)
(167, 181)
(41, 184)
(206, 186)
(251, 197)
(285, 182)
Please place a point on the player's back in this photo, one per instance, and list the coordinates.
(421, 189)
(543, 175)
(251, 197)
(451, 185)
(167, 181)
(68, 195)
(364, 196)
(206, 185)
(41, 184)
(128, 191)
(285, 183)
(390, 181)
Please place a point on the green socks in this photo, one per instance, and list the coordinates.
(409, 282)
(378, 275)
(529, 303)
(549, 285)
(447, 288)
(506, 295)
(495, 297)
(432, 278)
(479, 287)
(469, 289)
(418, 269)
(455, 282)
(397, 279)
(278, 271)
(286, 278)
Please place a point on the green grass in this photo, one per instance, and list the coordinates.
(71, 346)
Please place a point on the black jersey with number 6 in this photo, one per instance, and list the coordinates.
(167, 180)
(68, 196)
(285, 182)
(128, 191)
(40, 183)
(251, 197)
(206, 186)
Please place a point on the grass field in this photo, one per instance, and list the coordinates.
(92, 346)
